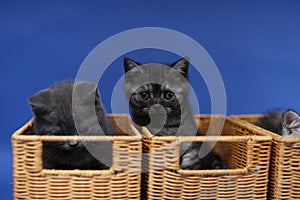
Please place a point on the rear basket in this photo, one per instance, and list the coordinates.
(244, 149)
(121, 181)
(284, 172)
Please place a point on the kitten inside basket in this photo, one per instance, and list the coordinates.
(282, 122)
(158, 99)
(53, 115)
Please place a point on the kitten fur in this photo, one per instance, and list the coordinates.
(52, 108)
(282, 122)
(168, 98)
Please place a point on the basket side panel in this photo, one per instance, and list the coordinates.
(127, 156)
(19, 174)
(27, 167)
(284, 173)
(145, 168)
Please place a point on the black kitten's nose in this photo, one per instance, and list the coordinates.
(73, 143)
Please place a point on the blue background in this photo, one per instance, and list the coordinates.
(255, 44)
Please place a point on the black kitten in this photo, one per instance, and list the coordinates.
(54, 115)
(282, 122)
(158, 98)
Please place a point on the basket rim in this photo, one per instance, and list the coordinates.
(210, 138)
(79, 172)
(18, 134)
(147, 134)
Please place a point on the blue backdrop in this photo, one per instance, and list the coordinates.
(255, 44)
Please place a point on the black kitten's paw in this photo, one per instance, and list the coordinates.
(190, 160)
(212, 161)
(218, 164)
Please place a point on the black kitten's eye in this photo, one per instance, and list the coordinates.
(169, 95)
(83, 129)
(145, 96)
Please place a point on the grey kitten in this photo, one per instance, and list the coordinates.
(282, 122)
(53, 113)
(159, 92)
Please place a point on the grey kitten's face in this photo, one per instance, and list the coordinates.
(53, 113)
(155, 88)
(291, 124)
(156, 97)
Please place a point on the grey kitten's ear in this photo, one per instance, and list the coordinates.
(41, 102)
(182, 66)
(291, 124)
(130, 64)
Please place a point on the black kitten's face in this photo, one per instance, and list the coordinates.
(53, 114)
(169, 89)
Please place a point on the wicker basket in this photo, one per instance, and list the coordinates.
(245, 150)
(284, 172)
(121, 181)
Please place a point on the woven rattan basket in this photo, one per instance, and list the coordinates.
(284, 172)
(244, 149)
(121, 181)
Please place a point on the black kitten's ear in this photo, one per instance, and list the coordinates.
(291, 123)
(86, 91)
(98, 94)
(182, 66)
(130, 64)
(41, 102)
(98, 97)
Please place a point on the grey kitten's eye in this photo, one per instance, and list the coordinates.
(169, 95)
(145, 95)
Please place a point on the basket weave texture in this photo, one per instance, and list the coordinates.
(245, 150)
(121, 181)
(284, 172)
